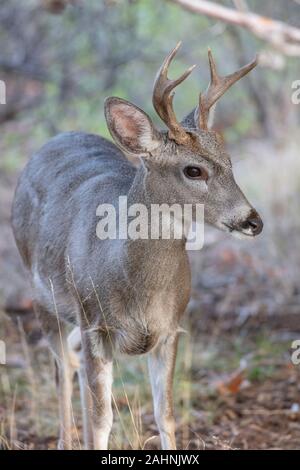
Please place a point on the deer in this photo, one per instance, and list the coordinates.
(124, 296)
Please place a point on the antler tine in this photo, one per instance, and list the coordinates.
(217, 87)
(163, 97)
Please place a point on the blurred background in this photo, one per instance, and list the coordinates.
(235, 386)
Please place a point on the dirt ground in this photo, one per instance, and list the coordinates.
(230, 393)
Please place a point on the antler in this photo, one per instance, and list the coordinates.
(163, 98)
(217, 87)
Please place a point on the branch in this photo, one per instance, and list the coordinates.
(282, 36)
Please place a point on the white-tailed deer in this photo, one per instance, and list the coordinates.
(123, 294)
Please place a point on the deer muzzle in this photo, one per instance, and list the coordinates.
(251, 226)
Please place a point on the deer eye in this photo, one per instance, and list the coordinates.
(195, 172)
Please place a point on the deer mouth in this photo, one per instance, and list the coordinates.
(249, 228)
(235, 230)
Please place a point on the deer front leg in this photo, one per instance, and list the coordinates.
(56, 335)
(161, 362)
(99, 378)
(64, 386)
(78, 365)
(86, 406)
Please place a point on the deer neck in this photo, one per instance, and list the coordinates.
(156, 253)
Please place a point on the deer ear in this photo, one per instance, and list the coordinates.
(130, 127)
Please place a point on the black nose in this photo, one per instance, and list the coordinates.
(254, 223)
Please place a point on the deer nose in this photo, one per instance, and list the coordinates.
(253, 223)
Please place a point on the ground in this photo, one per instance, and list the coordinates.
(231, 392)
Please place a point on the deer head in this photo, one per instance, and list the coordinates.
(188, 164)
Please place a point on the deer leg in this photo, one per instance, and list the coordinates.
(86, 407)
(99, 378)
(56, 335)
(161, 363)
(78, 364)
(64, 387)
